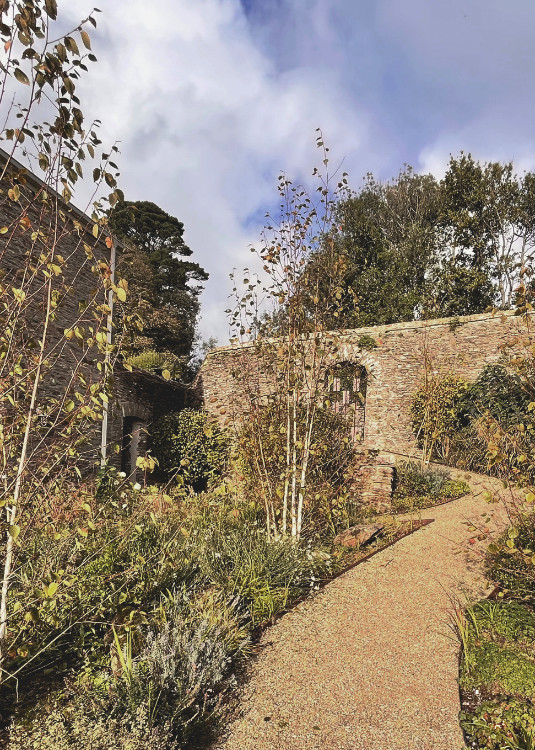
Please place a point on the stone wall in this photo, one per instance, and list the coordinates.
(395, 369)
(73, 283)
(136, 395)
(143, 396)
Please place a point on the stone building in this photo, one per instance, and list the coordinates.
(138, 396)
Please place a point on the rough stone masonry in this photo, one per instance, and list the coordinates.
(394, 369)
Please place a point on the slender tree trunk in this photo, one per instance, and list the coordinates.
(13, 510)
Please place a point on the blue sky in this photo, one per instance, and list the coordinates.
(211, 98)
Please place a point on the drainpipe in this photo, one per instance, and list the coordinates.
(109, 326)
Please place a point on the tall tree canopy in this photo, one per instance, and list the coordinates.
(417, 247)
(162, 285)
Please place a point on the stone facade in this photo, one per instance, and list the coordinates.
(394, 371)
(138, 397)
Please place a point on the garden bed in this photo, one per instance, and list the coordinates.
(420, 486)
(497, 662)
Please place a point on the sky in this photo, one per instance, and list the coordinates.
(211, 99)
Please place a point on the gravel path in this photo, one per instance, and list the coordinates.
(370, 663)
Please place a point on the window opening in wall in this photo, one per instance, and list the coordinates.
(132, 432)
(346, 384)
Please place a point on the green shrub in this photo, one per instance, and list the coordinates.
(367, 342)
(437, 412)
(82, 722)
(510, 559)
(501, 725)
(421, 486)
(265, 574)
(160, 362)
(506, 620)
(499, 670)
(191, 443)
(500, 394)
(479, 426)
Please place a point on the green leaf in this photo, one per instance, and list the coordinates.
(51, 589)
(121, 294)
(166, 374)
(21, 76)
(14, 531)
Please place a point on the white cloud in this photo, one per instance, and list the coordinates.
(206, 121)
(210, 103)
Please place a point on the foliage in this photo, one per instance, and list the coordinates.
(189, 442)
(82, 722)
(387, 240)
(57, 283)
(497, 666)
(264, 574)
(367, 342)
(291, 370)
(151, 605)
(506, 724)
(262, 441)
(165, 298)
(499, 670)
(418, 248)
(478, 426)
(436, 414)
(510, 559)
(487, 220)
(421, 486)
(159, 362)
(498, 393)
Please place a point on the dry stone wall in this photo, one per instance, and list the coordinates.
(395, 369)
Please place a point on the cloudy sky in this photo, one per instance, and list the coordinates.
(211, 98)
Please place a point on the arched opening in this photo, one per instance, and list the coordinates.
(346, 382)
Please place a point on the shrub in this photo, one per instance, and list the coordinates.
(499, 670)
(160, 362)
(479, 426)
(436, 413)
(419, 486)
(191, 443)
(83, 723)
(507, 620)
(265, 574)
(367, 342)
(498, 393)
(510, 559)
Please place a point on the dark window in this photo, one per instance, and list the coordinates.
(346, 386)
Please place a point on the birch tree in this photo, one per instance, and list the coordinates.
(287, 373)
(56, 285)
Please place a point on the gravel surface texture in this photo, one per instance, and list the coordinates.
(371, 662)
